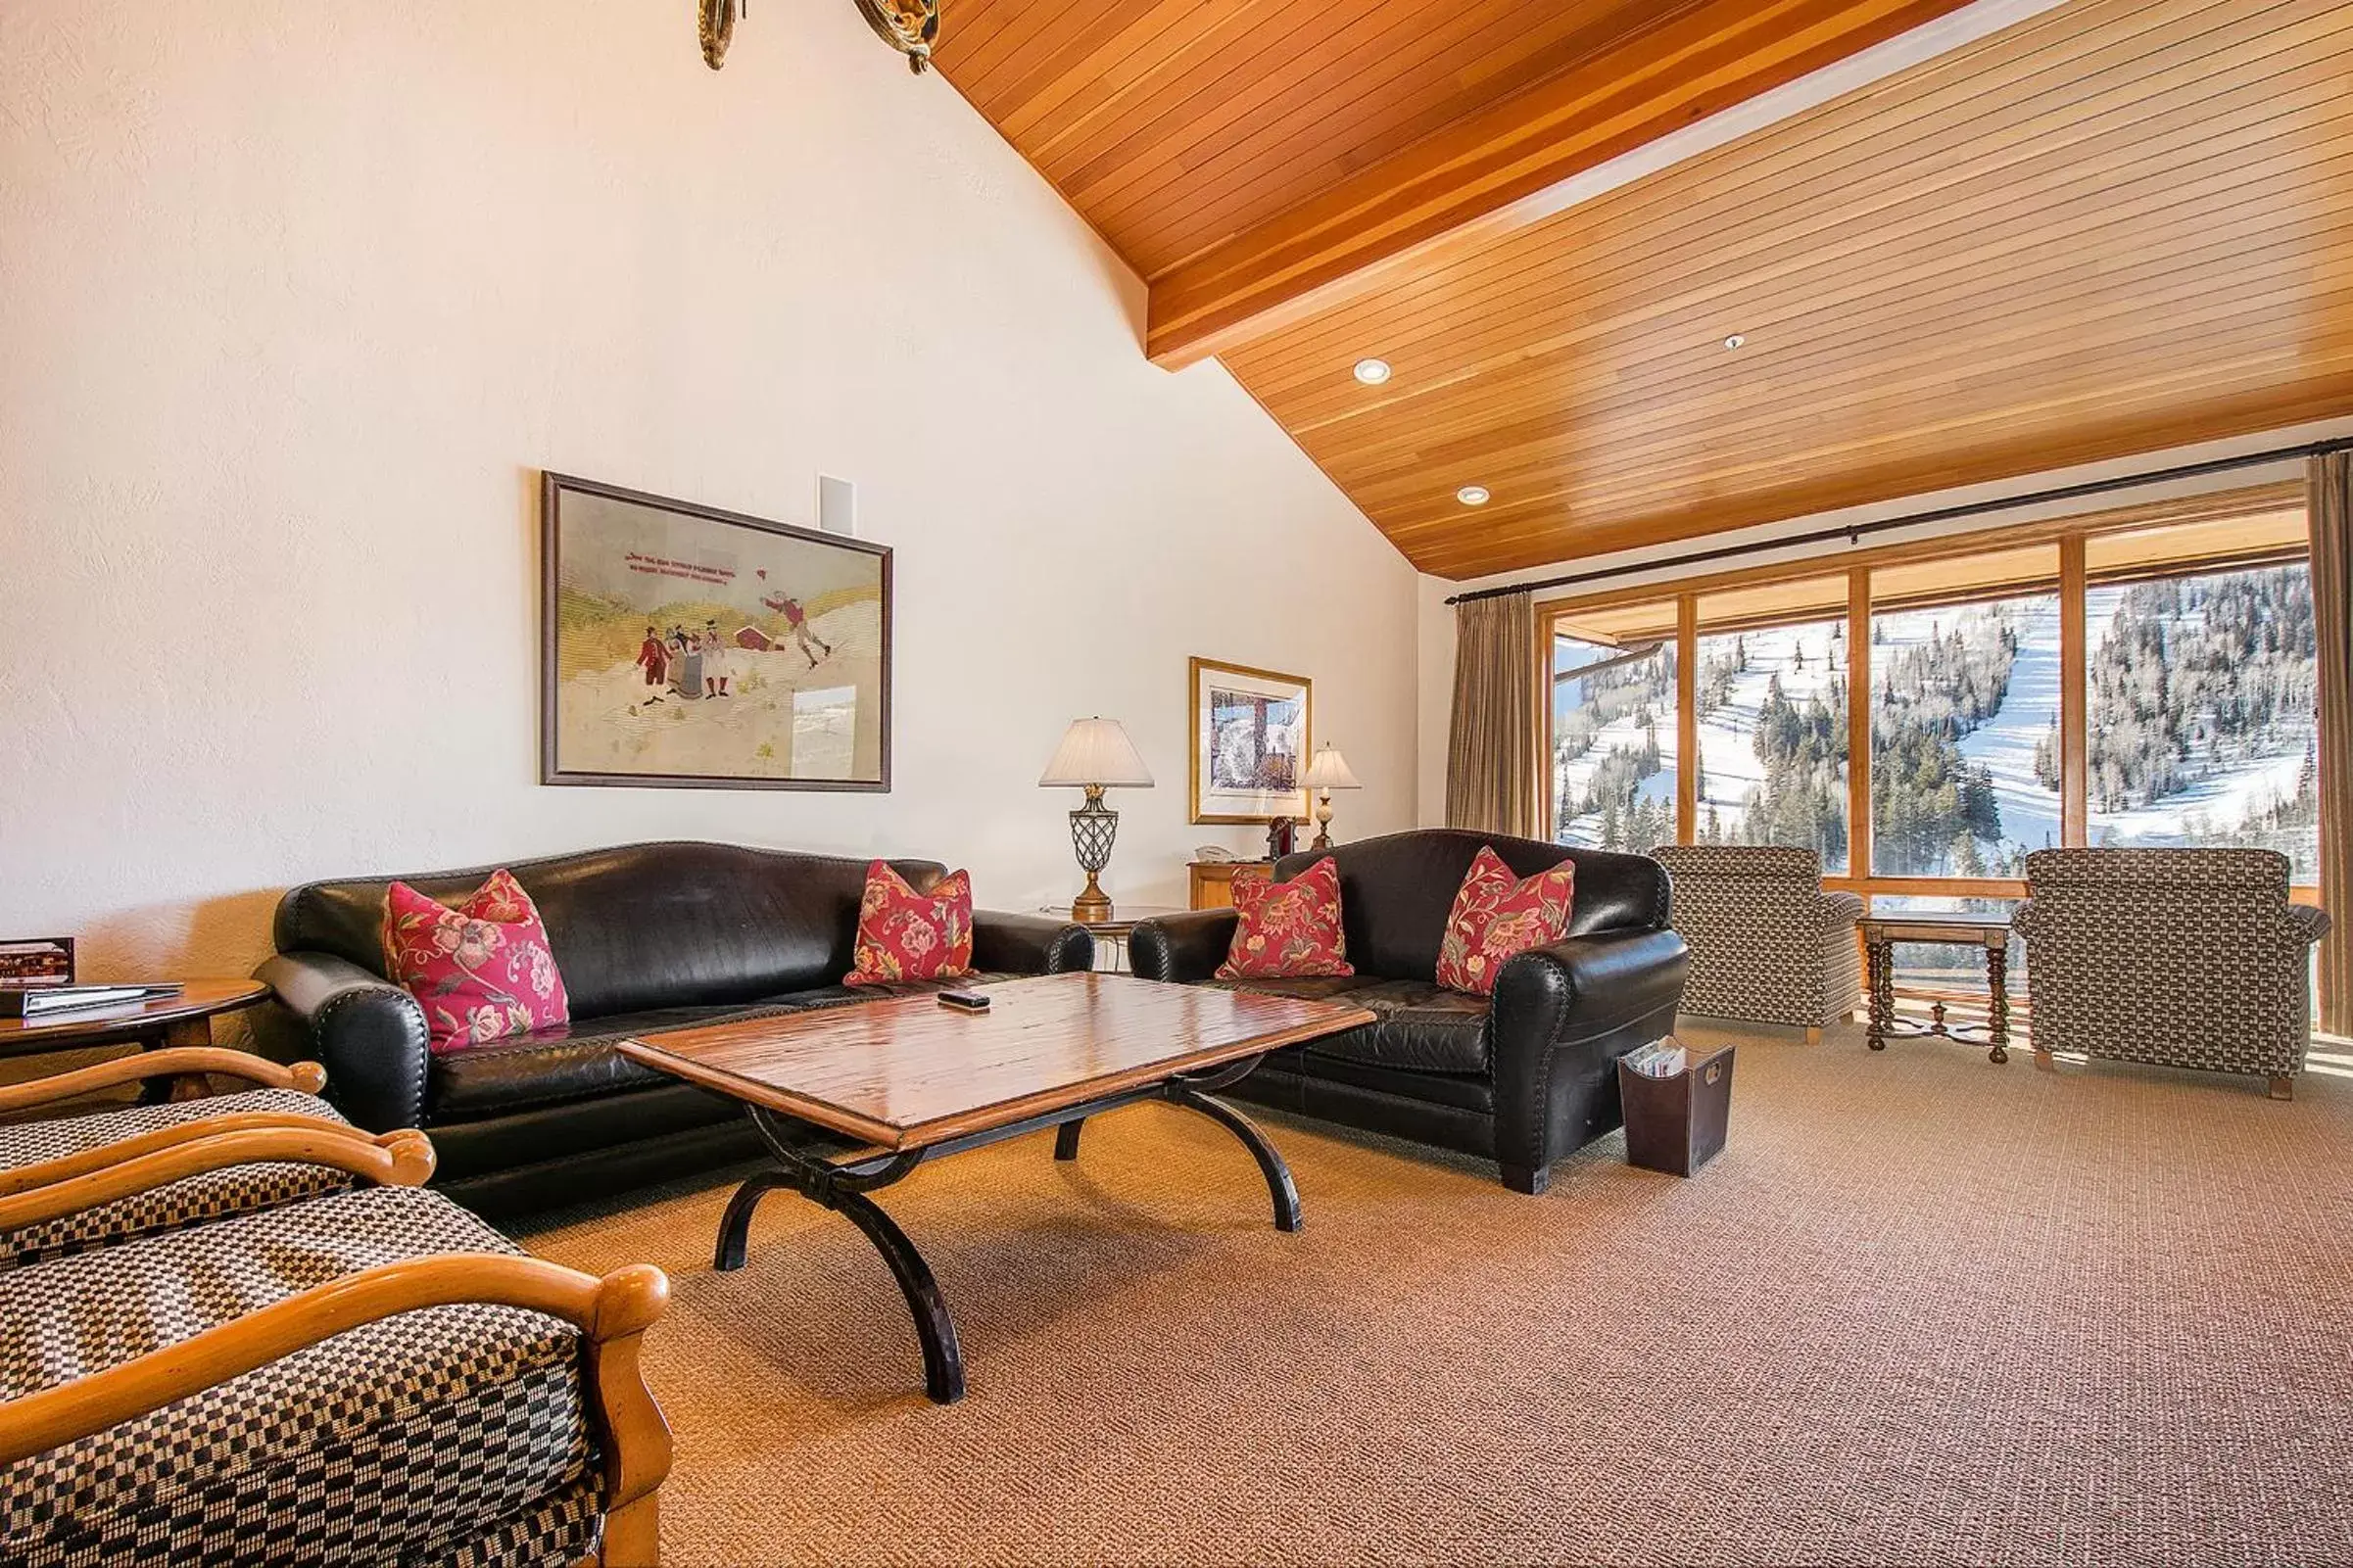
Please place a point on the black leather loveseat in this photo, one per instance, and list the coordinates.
(648, 937)
(1521, 1078)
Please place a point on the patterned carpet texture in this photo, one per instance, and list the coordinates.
(1923, 1310)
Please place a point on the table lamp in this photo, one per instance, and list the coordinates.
(1095, 755)
(1327, 773)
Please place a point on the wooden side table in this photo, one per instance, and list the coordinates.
(168, 1020)
(1991, 932)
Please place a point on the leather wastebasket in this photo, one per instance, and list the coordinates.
(1677, 1124)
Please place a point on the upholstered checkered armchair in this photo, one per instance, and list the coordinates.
(1767, 942)
(180, 1172)
(2185, 958)
(218, 1344)
(371, 1377)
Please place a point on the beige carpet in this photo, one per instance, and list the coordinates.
(1923, 1310)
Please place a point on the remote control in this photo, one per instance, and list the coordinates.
(964, 1001)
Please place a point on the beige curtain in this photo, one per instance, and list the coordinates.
(2333, 609)
(1494, 763)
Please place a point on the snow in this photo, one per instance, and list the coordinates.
(2239, 789)
(1619, 735)
(1728, 761)
(2004, 745)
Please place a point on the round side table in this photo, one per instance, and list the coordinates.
(182, 1020)
(1112, 934)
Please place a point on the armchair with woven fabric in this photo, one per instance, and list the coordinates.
(1523, 1077)
(2186, 958)
(233, 1308)
(1767, 944)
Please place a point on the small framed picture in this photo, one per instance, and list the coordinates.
(1251, 729)
(36, 961)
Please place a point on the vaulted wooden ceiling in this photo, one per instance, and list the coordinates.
(2117, 225)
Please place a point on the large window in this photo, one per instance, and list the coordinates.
(2204, 714)
(1613, 743)
(1773, 707)
(2146, 677)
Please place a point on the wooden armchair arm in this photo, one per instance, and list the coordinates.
(613, 1312)
(65, 1167)
(307, 1077)
(404, 1160)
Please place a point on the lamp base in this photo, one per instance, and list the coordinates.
(1094, 826)
(1323, 821)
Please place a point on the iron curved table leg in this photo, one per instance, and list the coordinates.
(734, 1227)
(1279, 1185)
(1066, 1139)
(942, 1357)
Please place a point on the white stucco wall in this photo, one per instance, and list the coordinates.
(295, 302)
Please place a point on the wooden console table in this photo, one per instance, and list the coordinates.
(1989, 932)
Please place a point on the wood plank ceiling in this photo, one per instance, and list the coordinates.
(1176, 124)
(2117, 225)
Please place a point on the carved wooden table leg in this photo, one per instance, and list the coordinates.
(1882, 956)
(1998, 964)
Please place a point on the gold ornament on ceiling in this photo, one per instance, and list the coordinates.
(911, 27)
(715, 22)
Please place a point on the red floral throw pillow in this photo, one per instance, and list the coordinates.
(1288, 930)
(907, 935)
(1497, 914)
(483, 971)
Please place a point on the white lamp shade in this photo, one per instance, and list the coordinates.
(1329, 771)
(1096, 751)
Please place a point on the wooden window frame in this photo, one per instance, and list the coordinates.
(2070, 536)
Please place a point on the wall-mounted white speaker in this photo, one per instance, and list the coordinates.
(836, 506)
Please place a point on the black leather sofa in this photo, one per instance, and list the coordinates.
(648, 937)
(1521, 1078)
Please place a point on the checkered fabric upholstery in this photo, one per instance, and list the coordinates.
(1767, 942)
(453, 1434)
(216, 1195)
(566, 1529)
(2186, 958)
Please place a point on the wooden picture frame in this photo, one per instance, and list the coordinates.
(1279, 712)
(782, 634)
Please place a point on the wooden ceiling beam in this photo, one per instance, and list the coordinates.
(1506, 167)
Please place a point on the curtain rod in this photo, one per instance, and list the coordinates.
(1853, 533)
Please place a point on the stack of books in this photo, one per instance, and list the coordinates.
(41, 1002)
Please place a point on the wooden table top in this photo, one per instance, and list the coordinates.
(1982, 930)
(904, 1072)
(96, 1025)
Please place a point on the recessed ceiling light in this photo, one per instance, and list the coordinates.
(1735, 341)
(1472, 495)
(1372, 372)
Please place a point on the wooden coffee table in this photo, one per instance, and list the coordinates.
(910, 1080)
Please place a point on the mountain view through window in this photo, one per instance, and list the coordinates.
(2204, 714)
